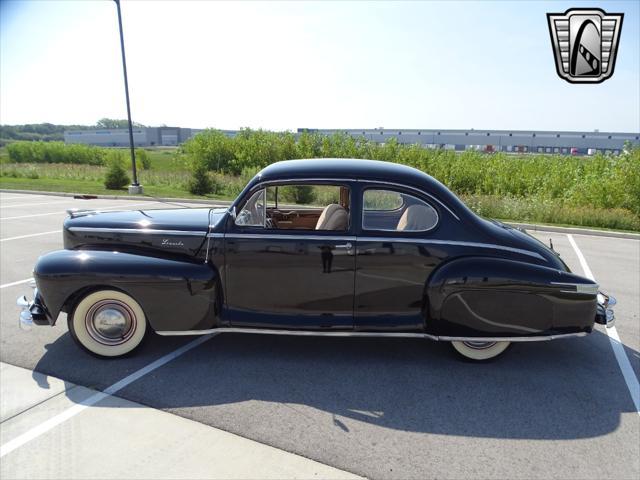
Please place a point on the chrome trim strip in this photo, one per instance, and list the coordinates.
(378, 239)
(538, 338)
(581, 288)
(285, 236)
(206, 253)
(215, 235)
(315, 333)
(451, 242)
(302, 333)
(149, 231)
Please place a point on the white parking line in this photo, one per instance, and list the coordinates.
(59, 213)
(618, 349)
(20, 198)
(14, 205)
(44, 427)
(28, 236)
(24, 196)
(19, 282)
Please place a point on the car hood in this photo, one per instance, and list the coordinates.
(179, 230)
(178, 219)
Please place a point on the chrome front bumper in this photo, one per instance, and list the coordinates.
(604, 312)
(31, 313)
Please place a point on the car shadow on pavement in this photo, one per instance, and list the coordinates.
(564, 389)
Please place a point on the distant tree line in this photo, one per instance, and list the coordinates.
(49, 132)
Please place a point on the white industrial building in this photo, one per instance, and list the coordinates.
(517, 141)
(142, 136)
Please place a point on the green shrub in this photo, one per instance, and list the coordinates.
(143, 159)
(201, 183)
(116, 177)
(551, 211)
(56, 152)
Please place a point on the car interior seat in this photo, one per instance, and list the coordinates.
(333, 217)
(417, 217)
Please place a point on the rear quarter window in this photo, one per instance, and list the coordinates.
(389, 210)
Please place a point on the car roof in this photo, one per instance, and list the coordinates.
(345, 168)
(361, 170)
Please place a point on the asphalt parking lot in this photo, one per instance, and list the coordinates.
(381, 408)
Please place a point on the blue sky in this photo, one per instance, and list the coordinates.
(307, 64)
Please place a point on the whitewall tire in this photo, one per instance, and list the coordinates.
(108, 323)
(480, 350)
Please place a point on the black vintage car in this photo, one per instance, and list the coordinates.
(313, 247)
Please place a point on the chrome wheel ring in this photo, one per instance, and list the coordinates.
(110, 322)
(479, 345)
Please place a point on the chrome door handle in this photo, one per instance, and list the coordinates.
(347, 245)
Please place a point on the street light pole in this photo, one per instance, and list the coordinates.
(135, 187)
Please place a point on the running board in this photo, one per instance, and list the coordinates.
(316, 333)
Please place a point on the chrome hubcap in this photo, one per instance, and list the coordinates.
(110, 322)
(479, 345)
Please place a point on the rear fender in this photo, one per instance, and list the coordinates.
(479, 296)
(175, 295)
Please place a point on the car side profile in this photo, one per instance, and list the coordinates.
(341, 247)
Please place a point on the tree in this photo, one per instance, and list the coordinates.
(113, 123)
(200, 182)
(299, 194)
(116, 177)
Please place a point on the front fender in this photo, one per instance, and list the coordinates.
(481, 296)
(174, 294)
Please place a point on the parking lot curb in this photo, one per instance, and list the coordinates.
(526, 226)
(145, 198)
(576, 230)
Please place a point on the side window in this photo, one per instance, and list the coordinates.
(253, 212)
(308, 207)
(389, 210)
(305, 195)
(298, 207)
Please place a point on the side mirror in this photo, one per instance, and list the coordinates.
(232, 212)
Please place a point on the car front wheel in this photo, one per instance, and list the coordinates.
(480, 350)
(108, 323)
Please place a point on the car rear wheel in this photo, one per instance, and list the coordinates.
(480, 350)
(108, 323)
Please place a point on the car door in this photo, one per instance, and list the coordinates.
(293, 279)
(392, 262)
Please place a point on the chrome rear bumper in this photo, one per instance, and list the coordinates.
(604, 312)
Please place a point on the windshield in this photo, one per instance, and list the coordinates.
(253, 212)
